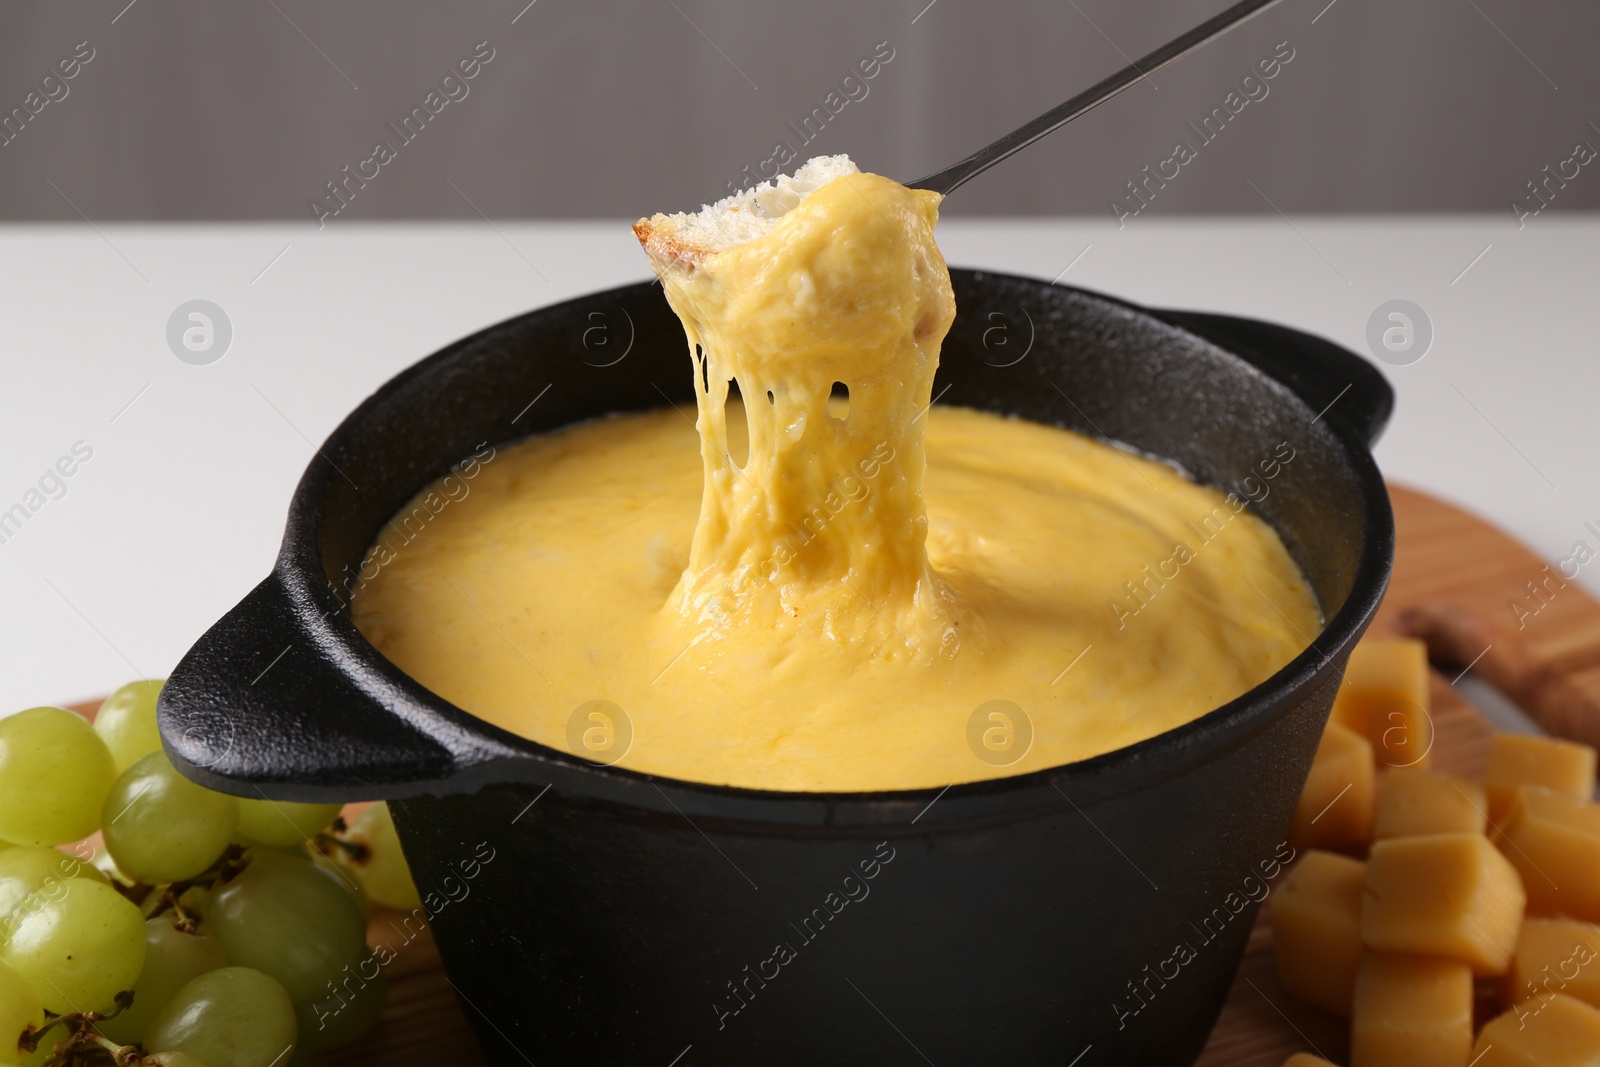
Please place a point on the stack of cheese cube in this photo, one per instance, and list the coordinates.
(1470, 894)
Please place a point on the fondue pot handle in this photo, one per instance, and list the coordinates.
(284, 698)
(1347, 390)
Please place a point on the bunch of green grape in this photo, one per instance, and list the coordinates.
(210, 931)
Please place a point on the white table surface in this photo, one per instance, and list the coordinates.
(179, 511)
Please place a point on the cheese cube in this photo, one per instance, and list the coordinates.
(1414, 801)
(1316, 929)
(1555, 956)
(1384, 697)
(1447, 895)
(1306, 1059)
(1519, 759)
(1335, 808)
(1411, 1011)
(1563, 1032)
(1553, 840)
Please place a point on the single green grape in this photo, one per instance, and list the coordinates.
(20, 1011)
(77, 943)
(54, 773)
(349, 1013)
(383, 871)
(160, 827)
(286, 918)
(126, 722)
(229, 1017)
(281, 823)
(172, 959)
(26, 870)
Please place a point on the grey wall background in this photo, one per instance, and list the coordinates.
(194, 109)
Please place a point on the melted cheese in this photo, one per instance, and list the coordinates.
(850, 289)
(870, 594)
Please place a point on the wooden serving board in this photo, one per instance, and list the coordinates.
(1444, 557)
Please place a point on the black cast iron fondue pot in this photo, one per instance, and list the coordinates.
(1089, 914)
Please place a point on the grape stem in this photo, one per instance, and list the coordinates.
(121, 1055)
(85, 1043)
(85, 1046)
(160, 899)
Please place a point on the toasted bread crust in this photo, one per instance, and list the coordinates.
(687, 238)
(662, 244)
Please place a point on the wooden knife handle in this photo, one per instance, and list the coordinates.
(1561, 695)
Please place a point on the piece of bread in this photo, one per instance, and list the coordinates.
(686, 237)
